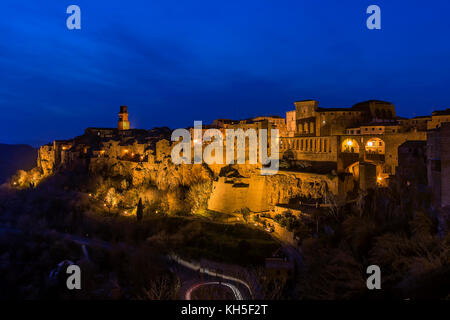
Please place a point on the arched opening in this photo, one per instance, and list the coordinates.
(375, 146)
(350, 146)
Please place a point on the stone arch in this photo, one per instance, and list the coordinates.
(350, 145)
(375, 146)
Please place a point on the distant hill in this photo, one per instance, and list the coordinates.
(14, 157)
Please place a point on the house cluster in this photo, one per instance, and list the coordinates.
(366, 143)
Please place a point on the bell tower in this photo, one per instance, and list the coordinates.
(123, 123)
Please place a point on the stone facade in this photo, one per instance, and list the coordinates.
(412, 162)
(437, 118)
(368, 132)
(321, 150)
(261, 193)
(438, 164)
(123, 123)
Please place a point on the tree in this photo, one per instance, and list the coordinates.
(110, 199)
(140, 210)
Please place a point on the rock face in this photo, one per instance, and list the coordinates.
(132, 167)
(46, 160)
(164, 174)
(260, 193)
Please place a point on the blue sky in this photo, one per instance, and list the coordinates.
(173, 62)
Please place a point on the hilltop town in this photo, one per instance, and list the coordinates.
(323, 152)
(354, 185)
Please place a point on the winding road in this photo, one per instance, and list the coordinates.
(191, 274)
(237, 294)
(188, 272)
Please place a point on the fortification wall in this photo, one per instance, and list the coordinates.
(259, 193)
(393, 141)
(227, 197)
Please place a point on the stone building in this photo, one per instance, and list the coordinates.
(322, 151)
(355, 139)
(123, 123)
(290, 123)
(276, 122)
(438, 164)
(412, 162)
(419, 123)
(437, 118)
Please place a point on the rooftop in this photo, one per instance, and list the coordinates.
(372, 101)
(445, 112)
(350, 109)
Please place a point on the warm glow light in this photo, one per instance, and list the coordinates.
(379, 178)
(195, 141)
(104, 204)
(369, 143)
(349, 143)
(90, 194)
(125, 212)
(132, 154)
(126, 150)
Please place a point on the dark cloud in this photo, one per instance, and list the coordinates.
(174, 63)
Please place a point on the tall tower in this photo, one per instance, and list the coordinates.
(123, 123)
